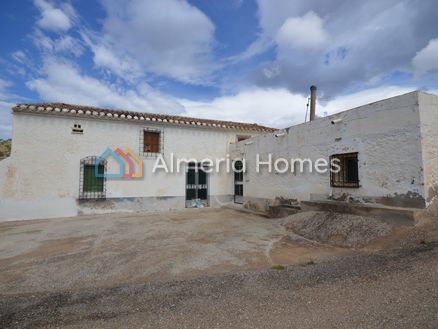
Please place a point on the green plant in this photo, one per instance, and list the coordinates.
(278, 267)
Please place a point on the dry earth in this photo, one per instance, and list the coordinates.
(189, 269)
(107, 250)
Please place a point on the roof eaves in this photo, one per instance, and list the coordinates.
(67, 109)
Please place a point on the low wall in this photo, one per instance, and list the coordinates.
(69, 207)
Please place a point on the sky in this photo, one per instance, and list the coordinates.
(241, 60)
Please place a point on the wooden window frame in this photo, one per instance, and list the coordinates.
(160, 147)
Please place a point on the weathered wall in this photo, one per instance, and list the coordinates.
(386, 134)
(429, 142)
(41, 179)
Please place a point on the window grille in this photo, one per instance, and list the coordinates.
(90, 186)
(348, 175)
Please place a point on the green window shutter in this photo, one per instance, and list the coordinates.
(91, 182)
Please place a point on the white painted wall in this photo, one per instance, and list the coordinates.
(41, 178)
(396, 140)
(386, 134)
(429, 140)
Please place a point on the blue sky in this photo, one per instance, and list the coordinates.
(242, 60)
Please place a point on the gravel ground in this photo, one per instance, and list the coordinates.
(344, 230)
(390, 289)
(109, 250)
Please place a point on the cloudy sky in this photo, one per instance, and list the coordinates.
(243, 60)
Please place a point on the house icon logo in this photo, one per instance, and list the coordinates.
(130, 165)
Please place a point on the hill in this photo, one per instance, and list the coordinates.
(5, 148)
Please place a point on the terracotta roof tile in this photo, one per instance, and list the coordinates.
(80, 110)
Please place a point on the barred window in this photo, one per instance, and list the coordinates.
(92, 186)
(347, 174)
(91, 182)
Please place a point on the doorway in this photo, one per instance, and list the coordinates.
(238, 182)
(196, 186)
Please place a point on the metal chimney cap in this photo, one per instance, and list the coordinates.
(312, 87)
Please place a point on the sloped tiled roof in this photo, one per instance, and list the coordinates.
(89, 111)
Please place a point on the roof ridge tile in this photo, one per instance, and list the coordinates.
(85, 110)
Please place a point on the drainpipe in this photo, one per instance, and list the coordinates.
(312, 102)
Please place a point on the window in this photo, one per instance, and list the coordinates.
(151, 142)
(242, 138)
(91, 182)
(348, 174)
(92, 186)
(77, 129)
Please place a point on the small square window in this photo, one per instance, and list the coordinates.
(242, 138)
(151, 142)
(77, 129)
(347, 174)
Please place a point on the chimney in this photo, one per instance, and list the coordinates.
(312, 102)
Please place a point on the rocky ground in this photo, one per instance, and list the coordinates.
(343, 230)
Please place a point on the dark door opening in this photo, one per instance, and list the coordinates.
(196, 186)
(238, 182)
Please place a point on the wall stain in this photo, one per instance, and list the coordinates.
(10, 179)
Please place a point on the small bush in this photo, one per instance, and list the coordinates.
(278, 267)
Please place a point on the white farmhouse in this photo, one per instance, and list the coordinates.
(50, 172)
(387, 153)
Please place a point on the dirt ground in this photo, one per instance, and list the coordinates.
(392, 289)
(216, 268)
(107, 250)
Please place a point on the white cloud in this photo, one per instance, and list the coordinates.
(279, 107)
(259, 46)
(338, 44)
(121, 65)
(306, 32)
(166, 37)
(5, 120)
(346, 102)
(53, 19)
(63, 44)
(19, 56)
(68, 44)
(64, 83)
(6, 103)
(426, 59)
(265, 106)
